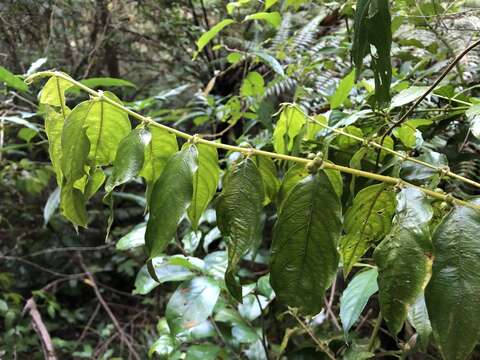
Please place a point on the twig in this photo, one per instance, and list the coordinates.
(430, 89)
(41, 330)
(107, 309)
(323, 347)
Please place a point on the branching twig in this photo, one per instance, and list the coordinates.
(41, 330)
(107, 309)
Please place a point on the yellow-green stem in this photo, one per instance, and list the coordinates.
(252, 151)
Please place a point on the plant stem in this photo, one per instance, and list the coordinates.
(378, 323)
(442, 170)
(251, 151)
(321, 345)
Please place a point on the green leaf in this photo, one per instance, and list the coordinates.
(356, 295)
(373, 35)
(343, 90)
(94, 181)
(239, 211)
(73, 205)
(452, 295)
(408, 95)
(253, 85)
(271, 184)
(287, 128)
(270, 61)
(171, 197)
(210, 34)
(304, 252)
(203, 352)
(404, 258)
(367, 222)
(53, 127)
(134, 238)
(418, 317)
(270, 3)
(273, 18)
(163, 347)
(11, 80)
(407, 135)
(164, 272)
(106, 126)
(75, 145)
(161, 146)
(191, 304)
(129, 158)
(53, 93)
(294, 174)
(106, 82)
(205, 182)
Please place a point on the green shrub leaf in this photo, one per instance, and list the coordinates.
(191, 304)
(356, 295)
(239, 215)
(161, 146)
(205, 182)
(452, 295)
(367, 222)
(129, 158)
(171, 197)
(304, 251)
(404, 258)
(106, 126)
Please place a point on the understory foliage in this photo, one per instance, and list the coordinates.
(309, 194)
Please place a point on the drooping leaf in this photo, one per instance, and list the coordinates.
(129, 158)
(95, 180)
(11, 80)
(404, 258)
(271, 184)
(53, 93)
(270, 3)
(343, 90)
(355, 297)
(418, 317)
(452, 295)
(73, 204)
(287, 128)
(161, 146)
(239, 215)
(210, 34)
(205, 182)
(367, 222)
(296, 173)
(304, 252)
(106, 126)
(273, 18)
(373, 35)
(53, 127)
(75, 145)
(171, 197)
(191, 304)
